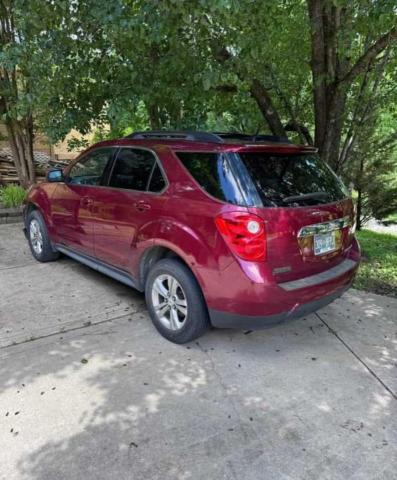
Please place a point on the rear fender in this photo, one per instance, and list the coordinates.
(187, 244)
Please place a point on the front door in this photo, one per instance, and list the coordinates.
(73, 199)
(132, 200)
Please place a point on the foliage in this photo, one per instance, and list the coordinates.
(75, 143)
(373, 161)
(122, 65)
(12, 196)
(16, 99)
(378, 270)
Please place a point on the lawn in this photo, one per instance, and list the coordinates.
(378, 270)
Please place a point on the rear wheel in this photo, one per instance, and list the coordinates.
(39, 240)
(175, 302)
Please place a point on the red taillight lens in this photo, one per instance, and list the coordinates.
(244, 234)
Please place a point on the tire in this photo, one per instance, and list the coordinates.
(39, 240)
(165, 300)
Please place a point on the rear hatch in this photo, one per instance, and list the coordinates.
(306, 209)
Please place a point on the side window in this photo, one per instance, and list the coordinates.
(90, 169)
(132, 169)
(157, 182)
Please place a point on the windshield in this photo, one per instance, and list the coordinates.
(293, 180)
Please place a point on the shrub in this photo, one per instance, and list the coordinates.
(12, 196)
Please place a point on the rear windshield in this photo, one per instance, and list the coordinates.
(263, 179)
(293, 180)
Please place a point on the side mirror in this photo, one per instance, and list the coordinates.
(55, 175)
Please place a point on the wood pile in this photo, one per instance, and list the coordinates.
(43, 162)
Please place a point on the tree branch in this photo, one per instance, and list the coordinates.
(303, 131)
(227, 88)
(265, 104)
(369, 55)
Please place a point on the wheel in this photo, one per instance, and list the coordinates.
(175, 302)
(39, 240)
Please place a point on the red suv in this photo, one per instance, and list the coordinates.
(227, 230)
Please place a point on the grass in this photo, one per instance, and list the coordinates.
(12, 196)
(378, 270)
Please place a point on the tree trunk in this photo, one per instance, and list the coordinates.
(21, 143)
(154, 117)
(360, 193)
(318, 67)
(330, 147)
(328, 97)
(359, 208)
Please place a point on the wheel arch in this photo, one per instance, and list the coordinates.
(152, 255)
(29, 207)
(157, 252)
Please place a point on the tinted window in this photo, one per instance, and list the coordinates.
(157, 182)
(293, 180)
(212, 171)
(90, 169)
(132, 169)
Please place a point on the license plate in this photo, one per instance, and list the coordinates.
(323, 243)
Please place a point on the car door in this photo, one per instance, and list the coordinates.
(133, 199)
(73, 199)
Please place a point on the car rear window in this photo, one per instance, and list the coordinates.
(293, 180)
(263, 179)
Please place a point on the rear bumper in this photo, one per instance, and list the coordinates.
(221, 319)
(236, 301)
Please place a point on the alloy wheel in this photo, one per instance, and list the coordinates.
(169, 302)
(36, 237)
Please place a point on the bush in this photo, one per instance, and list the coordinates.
(12, 196)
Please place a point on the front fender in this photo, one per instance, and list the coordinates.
(40, 198)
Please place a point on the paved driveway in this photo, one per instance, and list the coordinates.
(89, 390)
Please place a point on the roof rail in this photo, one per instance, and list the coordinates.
(208, 137)
(175, 135)
(251, 138)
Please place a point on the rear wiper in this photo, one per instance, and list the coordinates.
(306, 196)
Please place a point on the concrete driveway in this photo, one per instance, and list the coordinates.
(89, 390)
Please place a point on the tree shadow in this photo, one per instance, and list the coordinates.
(128, 404)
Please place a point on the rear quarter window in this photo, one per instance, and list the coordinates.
(213, 173)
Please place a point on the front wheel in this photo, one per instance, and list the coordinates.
(39, 240)
(175, 302)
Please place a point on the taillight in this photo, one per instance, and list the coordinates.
(244, 233)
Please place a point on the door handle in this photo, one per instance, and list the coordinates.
(142, 206)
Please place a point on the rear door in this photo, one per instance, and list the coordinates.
(124, 210)
(306, 209)
(72, 200)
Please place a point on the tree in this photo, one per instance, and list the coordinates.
(334, 42)
(15, 94)
(345, 39)
(189, 64)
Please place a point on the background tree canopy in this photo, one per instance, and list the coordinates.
(321, 71)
